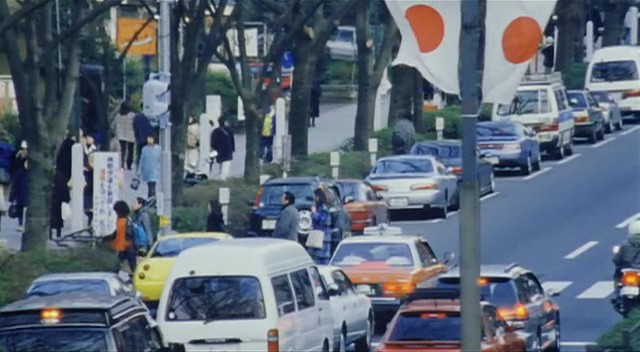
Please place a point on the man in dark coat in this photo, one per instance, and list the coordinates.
(289, 219)
(59, 195)
(223, 142)
(142, 129)
(63, 159)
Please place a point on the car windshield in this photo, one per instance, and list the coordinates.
(532, 101)
(503, 130)
(272, 194)
(216, 298)
(403, 166)
(174, 246)
(614, 71)
(577, 100)
(426, 326)
(601, 97)
(389, 254)
(498, 291)
(54, 287)
(440, 151)
(352, 189)
(55, 340)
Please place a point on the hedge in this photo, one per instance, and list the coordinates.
(612, 339)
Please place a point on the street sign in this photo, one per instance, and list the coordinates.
(105, 192)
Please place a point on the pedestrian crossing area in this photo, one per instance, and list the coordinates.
(597, 290)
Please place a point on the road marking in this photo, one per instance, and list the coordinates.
(606, 141)
(629, 131)
(599, 290)
(576, 343)
(534, 175)
(566, 160)
(585, 247)
(557, 286)
(629, 220)
(489, 196)
(435, 221)
(454, 212)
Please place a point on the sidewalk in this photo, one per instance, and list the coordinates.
(333, 127)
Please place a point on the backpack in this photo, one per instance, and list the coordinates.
(140, 238)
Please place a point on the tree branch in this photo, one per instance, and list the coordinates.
(391, 36)
(274, 6)
(229, 60)
(26, 10)
(330, 24)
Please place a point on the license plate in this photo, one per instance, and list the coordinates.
(398, 202)
(545, 138)
(493, 160)
(630, 291)
(268, 224)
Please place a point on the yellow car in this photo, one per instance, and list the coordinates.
(153, 270)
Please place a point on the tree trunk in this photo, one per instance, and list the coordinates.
(568, 25)
(418, 103)
(614, 14)
(252, 132)
(401, 93)
(300, 99)
(366, 90)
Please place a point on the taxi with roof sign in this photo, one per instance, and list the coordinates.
(386, 266)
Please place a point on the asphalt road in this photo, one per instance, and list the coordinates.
(561, 223)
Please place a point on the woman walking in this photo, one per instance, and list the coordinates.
(321, 222)
(59, 195)
(192, 159)
(123, 239)
(149, 167)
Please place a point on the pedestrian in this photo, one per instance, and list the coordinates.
(19, 196)
(125, 134)
(89, 147)
(223, 142)
(141, 217)
(123, 242)
(7, 153)
(215, 219)
(192, 159)
(266, 137)
(60, 194)
(141, 129)
(314, 108)
(87, 192)
(320, 221)
(149, 165)
(287, 224)
(63, 159)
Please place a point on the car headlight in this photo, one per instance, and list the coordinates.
(305, 222)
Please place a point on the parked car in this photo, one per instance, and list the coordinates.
(449, 153)
(247, 294)
(353, 319)
(267, 207)
(521, 301)
(430, 321)
(587, 115)
(365, 207)
(342, 44)
(414, 182)
(610, 111)
(99, 283)
(152, 271)
(509, 144)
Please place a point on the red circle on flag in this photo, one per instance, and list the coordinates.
(427, 25)
(520, 39)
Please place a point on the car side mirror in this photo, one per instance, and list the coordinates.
(447, 257)
(363, 290)
(348, 199)
(553, 293)
(333, 290)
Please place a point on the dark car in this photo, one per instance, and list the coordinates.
(610, 111)
(509, 144)
(449, 153)
(267, 207)
(587, 115)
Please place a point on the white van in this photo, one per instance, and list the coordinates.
(614, 70)
(253, 294)
(540, 103)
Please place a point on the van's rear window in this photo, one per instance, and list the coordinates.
(211, 298)
(614, 71)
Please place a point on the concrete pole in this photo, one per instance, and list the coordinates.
(634, 25)
(373, 150)
(164, 58)
(470, 203)
(589, 42)
(281, 128)
(555, 43)
(224, 197)
(77, 188)
(335, 164)
(439, 127)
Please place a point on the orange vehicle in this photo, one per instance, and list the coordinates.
(365, 207)
(387, 266)
(430, 321)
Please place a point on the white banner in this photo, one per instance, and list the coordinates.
(105, 192)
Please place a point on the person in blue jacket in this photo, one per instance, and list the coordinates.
(321, 220)
(149, 165)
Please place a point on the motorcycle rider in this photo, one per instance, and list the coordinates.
(628, 255)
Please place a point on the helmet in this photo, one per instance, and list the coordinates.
(634, 228)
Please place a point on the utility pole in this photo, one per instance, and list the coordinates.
(164, 198)
(469, 196)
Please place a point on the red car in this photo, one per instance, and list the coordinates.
(362, 203)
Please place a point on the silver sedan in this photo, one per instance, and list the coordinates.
(414, 182)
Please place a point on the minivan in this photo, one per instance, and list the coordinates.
(251, 294)
(615, 70)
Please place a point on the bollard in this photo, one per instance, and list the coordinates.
(281, 129)
(439, 127)
(77, 188)
(286, 155)
(224, 197)
(633, 33)
(335, 164)
(588, 42)
(373, 150)
(241, 116)
(264, 178)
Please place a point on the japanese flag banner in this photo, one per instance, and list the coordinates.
(430, 31)
(513, 30)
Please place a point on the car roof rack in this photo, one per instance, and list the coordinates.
(511, 267)
(542, 78)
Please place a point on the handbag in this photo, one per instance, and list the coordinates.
(65, 211)
(5, 177)
(13, 211)
(135, 183)
(315, 239)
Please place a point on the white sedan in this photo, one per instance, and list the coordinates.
(352, 313)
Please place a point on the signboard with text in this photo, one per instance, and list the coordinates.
(105, 192)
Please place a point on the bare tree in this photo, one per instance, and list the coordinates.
(570, 32)
(614, 14)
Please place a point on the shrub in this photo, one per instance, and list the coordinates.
(612, 339)
(452, 121)
(574, 77)
(352, 165)
(10, 123)
(340, 72)
(220, 83)
(18, 270)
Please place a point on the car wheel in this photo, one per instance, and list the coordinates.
(492, 183)
(443, 212)
(363, 344)
(592, 137)
(536, 164)
(568, 149)
(325, 346)
(560, 150)
(537, 343)
(342, 344)
(608, 128)
(556, 344)
(525, 169)
(600, 134)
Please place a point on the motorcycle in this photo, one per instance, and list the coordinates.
(627, 289)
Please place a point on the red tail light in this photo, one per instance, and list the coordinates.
(256, 202)
(456, 170)
(631, 94)
(552, 126)
(379, 188)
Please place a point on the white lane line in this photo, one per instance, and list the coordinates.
(629, 131)
(534, 175)
(599, 290)
(576, 343)
(627, 221)
(557, 286)
(566, 160)
(585, 247)
(435, 221)
(489, 196)
(606, 141)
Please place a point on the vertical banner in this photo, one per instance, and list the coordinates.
(105, 192)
